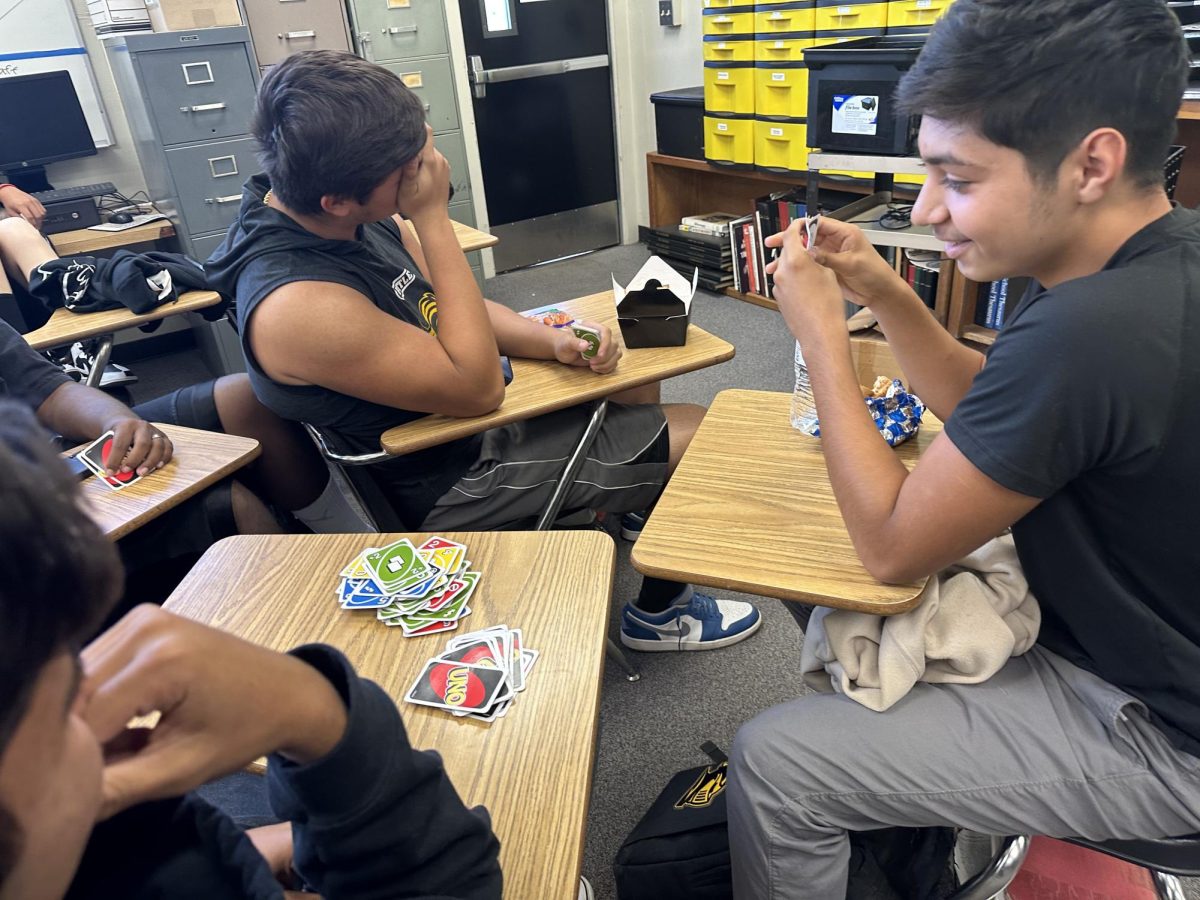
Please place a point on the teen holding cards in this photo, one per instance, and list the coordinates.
(349, 323)
(1046, 124)
(91, 808)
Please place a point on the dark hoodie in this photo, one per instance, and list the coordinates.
(265, 250)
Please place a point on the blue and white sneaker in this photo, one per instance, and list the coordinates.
(633, 523)
(694, 622)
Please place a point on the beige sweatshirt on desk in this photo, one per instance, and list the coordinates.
(971, 620)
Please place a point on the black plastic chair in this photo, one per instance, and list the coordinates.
(1165, 858)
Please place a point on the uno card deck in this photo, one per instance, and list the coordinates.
(812, 225)
(589, 334)
(456, 686)
(95, 456)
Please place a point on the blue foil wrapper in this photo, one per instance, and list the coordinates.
(897, 414)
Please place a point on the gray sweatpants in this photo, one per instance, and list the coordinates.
(1042, 747)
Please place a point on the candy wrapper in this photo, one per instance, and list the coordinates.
(896, 412)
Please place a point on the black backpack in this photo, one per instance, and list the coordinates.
(680, 848)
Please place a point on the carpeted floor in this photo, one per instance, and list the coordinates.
(651, 729)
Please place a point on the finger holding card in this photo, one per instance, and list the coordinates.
(138, 447)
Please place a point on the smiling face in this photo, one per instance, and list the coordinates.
(980, 198)
(50, 775)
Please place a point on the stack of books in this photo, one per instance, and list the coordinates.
(994, 299)
(697, 243)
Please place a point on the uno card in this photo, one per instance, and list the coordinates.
(397, 566)
(591, 335)
(456, 686)
(528, 658)
(95, 457)
(811, 226)
(358, 568)
(461, 586)
(491, 715)
(515, 670)
(365, 594)
(446, 555)
(431, 628)
(474, 653)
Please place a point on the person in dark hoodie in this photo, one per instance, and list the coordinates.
(365, 823)
(350, 323)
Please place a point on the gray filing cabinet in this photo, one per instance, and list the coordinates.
(409, 38)
(280, 28)
(189, 97)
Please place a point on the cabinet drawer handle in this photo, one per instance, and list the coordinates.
(215, 160)
(202, 73)
(400, 29)
(296, 35)
(232, 198)
(204, 107)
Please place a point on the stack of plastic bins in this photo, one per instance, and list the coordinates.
(729, 86)
(783, 33)
(845, 20)
(914, 16)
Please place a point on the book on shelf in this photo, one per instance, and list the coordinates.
(922, 270)
(714, 223)
(993, 312)
(737, 250)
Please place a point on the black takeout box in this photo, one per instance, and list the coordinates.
(656, 306)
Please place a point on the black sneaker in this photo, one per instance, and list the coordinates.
(633, 523)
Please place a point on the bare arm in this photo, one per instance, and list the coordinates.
(78, 412)
(938, 368)
(904, 526)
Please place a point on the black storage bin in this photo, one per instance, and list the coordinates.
(679, 122)
(851, 89)
(1186, 11)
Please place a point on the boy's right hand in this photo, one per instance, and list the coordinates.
(864, 276)
(223, 702)
(425, 183)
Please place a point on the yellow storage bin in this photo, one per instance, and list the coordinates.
(781, 146)
(780, 90)
(838, 15)
(730, 20)
(734, 48)
(914, 16)
(729, 88)
(729, 142)
(780, 18)
(782, 48)
(826, 38)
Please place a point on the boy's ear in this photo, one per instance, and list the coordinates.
(1098, 163)
(337, 206)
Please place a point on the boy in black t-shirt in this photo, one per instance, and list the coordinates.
(1045, 127)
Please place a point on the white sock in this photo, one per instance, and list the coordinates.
(331, 513)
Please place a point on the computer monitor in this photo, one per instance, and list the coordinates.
(41, 122)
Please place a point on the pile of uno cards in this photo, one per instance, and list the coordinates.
(477, 675)
(95, 457)
(421, 590)
(558, 318)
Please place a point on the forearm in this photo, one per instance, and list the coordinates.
(519, 336)
(865, 472)
(939, 369)
(371, 823)
(464, 327)
(81, 413)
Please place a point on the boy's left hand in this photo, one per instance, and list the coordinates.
(568, 349)
(808, 294)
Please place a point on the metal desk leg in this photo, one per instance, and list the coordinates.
(560, 495)
(102, 354)
(572, 468)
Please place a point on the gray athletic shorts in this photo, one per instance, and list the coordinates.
(510, 483)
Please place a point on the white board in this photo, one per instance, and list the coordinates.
(43, 36)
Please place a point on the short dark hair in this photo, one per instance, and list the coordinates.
(59, 575)
(329, 122)
(1038, 75)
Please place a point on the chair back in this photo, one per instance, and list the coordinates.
(381, 514)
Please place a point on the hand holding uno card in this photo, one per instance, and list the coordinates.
(96, 457)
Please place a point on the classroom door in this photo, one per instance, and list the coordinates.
(542, 93)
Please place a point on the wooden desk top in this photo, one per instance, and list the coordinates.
(532, 768)
(84, 240)
(202, 458)
(472, 238)
(1190, 109)
(541, 386)
(751, 509)
(66, 327)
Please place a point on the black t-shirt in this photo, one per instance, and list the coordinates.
(1090, 399)
(265, 250)
(25, 375)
